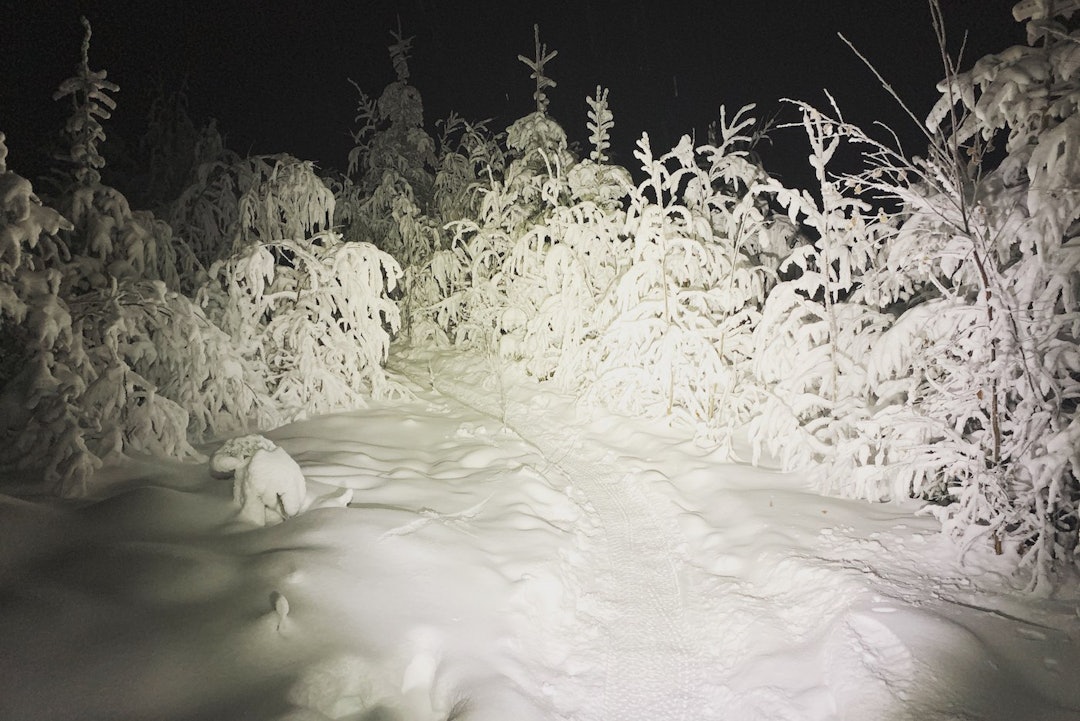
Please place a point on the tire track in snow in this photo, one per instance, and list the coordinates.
(651, 667)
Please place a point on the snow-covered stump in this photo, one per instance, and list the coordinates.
(267, 483)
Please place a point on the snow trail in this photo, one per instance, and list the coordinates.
(647, 619)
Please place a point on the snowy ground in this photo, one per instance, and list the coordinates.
(503, 559)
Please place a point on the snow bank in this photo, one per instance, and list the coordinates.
(595, 570)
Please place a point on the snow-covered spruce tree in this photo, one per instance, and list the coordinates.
(90, 104)
(38, 412)
(28, 246)
(170, 150)
(389, 193)
(402, 188)
(490, 273)
(74, 400)
(109, 239)
(111, 361)
(67, 397)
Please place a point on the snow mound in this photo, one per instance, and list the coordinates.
(267, 483)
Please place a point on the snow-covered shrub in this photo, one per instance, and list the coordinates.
(234, 201)
(79, 399)
(644, 296)
(468, 155)
(139, 370)
(648, 308)
(996, 378)
(814, 336)
(496, 257)
(556, 274)
(111, 241)
(285, 199)
(948, 357)
(674, 329)
(167, 339)
(315, 316)
(268, 485)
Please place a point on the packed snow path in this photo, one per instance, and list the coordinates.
(651, 667)
(721, 592)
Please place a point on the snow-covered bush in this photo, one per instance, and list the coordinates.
(314, 316)
(268, 485)
(77, 399)
(139, 370)
(995, 378)
(643, 296)
(814, 336)
(234, 201)
(468, 154)
(168, 340)
(937, 353)
(111, 241)
(674, 329)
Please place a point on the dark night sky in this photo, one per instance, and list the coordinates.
(275, 74)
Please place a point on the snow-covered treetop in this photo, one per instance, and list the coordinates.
(89, 91)
(601, 121)
(542, 57)
(399, 54)
(536, 131)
